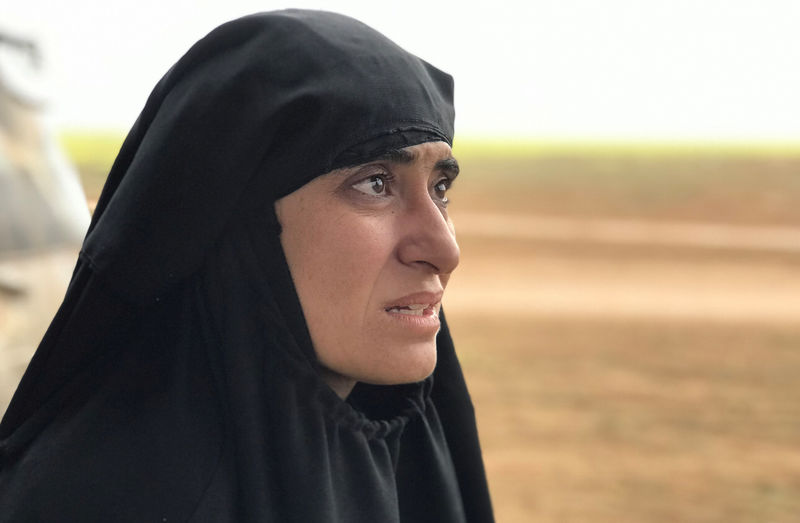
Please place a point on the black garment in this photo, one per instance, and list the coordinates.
(177, 381)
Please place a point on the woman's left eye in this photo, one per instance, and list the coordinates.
(440, 190)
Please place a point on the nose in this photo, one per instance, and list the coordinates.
(428, 240)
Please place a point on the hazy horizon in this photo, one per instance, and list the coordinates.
(614, 71)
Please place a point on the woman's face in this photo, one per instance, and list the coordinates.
(370, 249)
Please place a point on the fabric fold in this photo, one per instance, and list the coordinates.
(178, 380)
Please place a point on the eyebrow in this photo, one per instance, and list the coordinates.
(398, 156)
(448, 166)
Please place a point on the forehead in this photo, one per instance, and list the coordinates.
(435, 156)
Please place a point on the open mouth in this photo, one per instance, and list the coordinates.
(416, 309)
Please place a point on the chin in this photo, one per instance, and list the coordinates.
(404, 365)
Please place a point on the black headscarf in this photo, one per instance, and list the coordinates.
(178, 381)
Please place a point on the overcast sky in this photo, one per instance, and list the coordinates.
(554, 69)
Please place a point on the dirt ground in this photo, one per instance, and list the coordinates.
(632, 384)
(629, 330)
(31, 288)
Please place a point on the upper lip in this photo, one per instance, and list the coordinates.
(424, 298)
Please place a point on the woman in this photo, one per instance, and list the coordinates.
(272, 238)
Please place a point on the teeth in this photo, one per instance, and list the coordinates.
(415, 309)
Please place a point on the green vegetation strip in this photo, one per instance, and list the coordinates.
(515, 147)
(99, 148)
(92, 149)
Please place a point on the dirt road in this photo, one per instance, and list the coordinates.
(536, 265)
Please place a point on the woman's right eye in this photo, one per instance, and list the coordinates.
(374, 185)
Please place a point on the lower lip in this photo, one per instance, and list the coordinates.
(427, 322)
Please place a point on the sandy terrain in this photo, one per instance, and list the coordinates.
(31, 289)
(632, 376)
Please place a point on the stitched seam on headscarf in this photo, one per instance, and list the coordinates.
(417, 125)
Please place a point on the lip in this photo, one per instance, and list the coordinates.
(426, 323)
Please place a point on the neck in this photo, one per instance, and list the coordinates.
(341, 385)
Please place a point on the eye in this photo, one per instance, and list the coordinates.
(440, 190)
(375, 185)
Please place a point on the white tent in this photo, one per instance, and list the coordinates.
(41, 201)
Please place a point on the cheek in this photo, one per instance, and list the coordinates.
(334, 259)
(337, 264)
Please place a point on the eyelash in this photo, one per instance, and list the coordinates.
(386, 179)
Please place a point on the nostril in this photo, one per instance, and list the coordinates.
(428, 265)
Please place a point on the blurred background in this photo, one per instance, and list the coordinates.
(628, 302)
